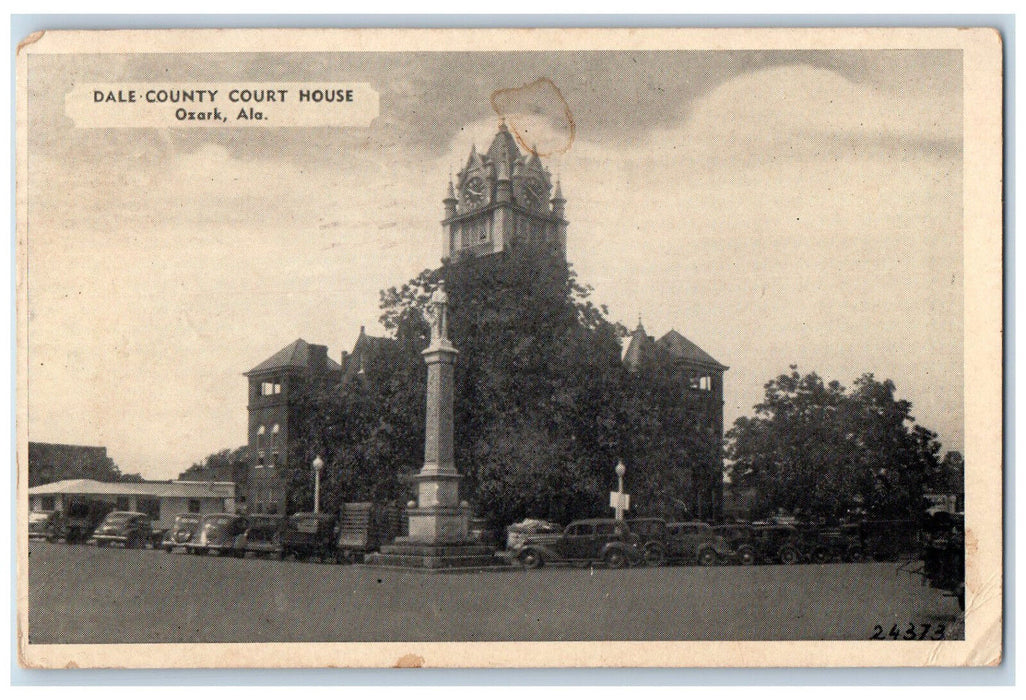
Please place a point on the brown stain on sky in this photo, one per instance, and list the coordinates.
(540, 98)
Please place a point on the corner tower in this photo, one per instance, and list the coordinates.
(501, 197)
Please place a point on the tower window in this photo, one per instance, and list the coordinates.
(270, 388)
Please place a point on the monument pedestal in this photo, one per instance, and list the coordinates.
(439, 536)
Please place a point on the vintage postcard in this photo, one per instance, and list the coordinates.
(510, 348)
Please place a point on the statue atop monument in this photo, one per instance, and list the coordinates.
(438, 316)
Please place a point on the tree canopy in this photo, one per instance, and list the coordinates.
(48, 463)
(821, 450)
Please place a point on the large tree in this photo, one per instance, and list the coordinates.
(48, 463)
(543, 405)
(823, 451)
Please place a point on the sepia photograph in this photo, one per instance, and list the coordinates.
(509, 348)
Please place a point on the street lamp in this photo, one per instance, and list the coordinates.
(318, 465)
(621, 469)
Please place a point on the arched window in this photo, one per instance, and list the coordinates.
(274, 435)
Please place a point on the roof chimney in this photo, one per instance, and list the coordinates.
(318, 357)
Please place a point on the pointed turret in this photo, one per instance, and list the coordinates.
(639, 348)
(474, 162)
(558, 203)
(450, 201)
(504, 148)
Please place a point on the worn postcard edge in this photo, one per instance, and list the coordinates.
(982, 201)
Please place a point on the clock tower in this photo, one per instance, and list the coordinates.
(501, 197)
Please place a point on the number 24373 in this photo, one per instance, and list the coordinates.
(913, 632)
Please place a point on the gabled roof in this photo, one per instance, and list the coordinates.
(366, 347)
(638, 347)
(683, 349)
(156, 489)
(295, 355)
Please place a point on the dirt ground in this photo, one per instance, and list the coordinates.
(84, 594)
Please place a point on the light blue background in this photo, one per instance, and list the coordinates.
(22, 25)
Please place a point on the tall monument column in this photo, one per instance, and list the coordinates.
(439, 517)
(439, 535)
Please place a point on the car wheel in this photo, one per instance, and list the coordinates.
(615, 559)
(745, 555)
(51, 539)
(854, 555)
(101, 543)
(821, 556)
(531, 559)
(169, 549)
(654, 555)
(708, 557)
(239, 553)
(788, 555)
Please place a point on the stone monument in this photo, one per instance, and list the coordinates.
(439, 524)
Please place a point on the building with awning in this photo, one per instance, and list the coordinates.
(161, 500)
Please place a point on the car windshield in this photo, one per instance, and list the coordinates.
(38, 517)
(218, 520)
(187, 520)
(115, 518)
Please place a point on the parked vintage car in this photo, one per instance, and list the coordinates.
(263, 536)
(182, 532)
(889, 540)
(309, 535)
(695, 543)
(130, 529)
(826, 544)
(943, 554)
(653, 538)
(585, 541)
(82, 516)
(517, 533)
(46, 524)
(777, 543)
(738, 539)
(219, 533)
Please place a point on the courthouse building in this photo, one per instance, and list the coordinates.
(500, 196)
(273, 386)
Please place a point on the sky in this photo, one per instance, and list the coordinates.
(776, 208)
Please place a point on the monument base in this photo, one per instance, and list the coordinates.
(410, 554)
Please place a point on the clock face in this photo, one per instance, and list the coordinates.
(474, 192)
(534, 190)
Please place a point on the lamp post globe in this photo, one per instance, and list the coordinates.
(318, 465)
(621, 469)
